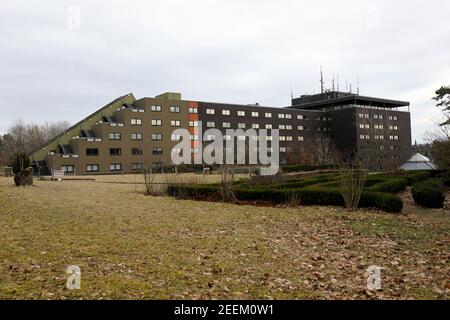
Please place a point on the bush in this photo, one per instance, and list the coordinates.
(446, 182)
(390, 185)
(429, 193)
(415, 177)
(383, 201)
(21, 162)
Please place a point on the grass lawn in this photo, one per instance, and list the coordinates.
(129, 245)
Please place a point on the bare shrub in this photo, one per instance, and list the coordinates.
(351, 182)
(226, 183)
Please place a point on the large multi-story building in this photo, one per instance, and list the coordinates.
(127, 133)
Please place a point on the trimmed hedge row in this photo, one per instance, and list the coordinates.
(429, 193)
(308, 196)
(390, 185)
(306, 167)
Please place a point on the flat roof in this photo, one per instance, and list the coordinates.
(378, 102)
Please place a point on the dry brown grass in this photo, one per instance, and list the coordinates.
(129, 245)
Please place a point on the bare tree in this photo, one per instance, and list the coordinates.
(325, 150)
(23, 138)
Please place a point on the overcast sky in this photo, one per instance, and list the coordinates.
(62, 60)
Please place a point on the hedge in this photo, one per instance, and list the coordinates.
(446, 182)
(325, 197)
(429, 193)
(198, 191)
(383, 201)
(415, 177)
(390, 185)
(306, 167)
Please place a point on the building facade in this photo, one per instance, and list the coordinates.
(129, 134)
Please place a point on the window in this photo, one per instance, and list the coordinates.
(241, 125)
(136, 166)
(136, 122)
(367, 126)
(156, 108)
(255, 114)
(68, 168)
(175, 109)
(114, 136)
(281, 116)
(175, 137)
(226, 112)
(300, 138)
(156, 136)
(288, 116)
(137, 152)
(268, 126)
(193, 110)
(91, 152)
(193, 123)
(394, 118)
(136, 136)
(175, 123)
(300, 117)
(282, 149)
(361, 125)
(210, 111)
(156, 122)
(92, 167)
(255, 126)
(226, 125)
(301, 128)
(157, 151)
(282, 138)
(115, 167)
(288, 138)
(367, 137)
(281, 127)
(210, 137)
(227, 137)
(115, 151)
(210, 124)
(193, 137)
(288, 127)
(241, 113)
(268, 115)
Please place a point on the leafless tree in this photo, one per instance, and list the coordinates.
(325, 150)
(23, 138)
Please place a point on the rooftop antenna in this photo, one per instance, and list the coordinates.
(338, 82)
(350, 88)
(346, 85)
(333, 83)
(292, 94)
(357, 89)
(321, 80)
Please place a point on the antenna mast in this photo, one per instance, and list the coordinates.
(321, 80)
(358, 85)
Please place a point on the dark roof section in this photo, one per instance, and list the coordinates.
(77, 124)
(347, 99)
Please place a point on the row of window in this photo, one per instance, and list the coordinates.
(158, 108)
(377, 117)
(376, 126)
(118, 151)
(227, 125)
(376, 137)
(135, 136)
(256, 114)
